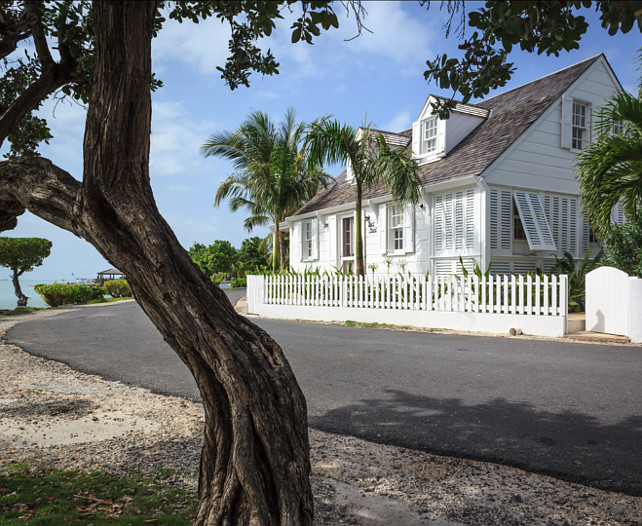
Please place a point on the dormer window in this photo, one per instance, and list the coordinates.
(429, 135)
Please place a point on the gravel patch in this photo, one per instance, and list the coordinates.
(66, 419)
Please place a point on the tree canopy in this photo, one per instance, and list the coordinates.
(23, 254)
(536, 26)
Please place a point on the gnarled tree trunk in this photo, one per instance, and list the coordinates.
(255, 464)
(22, 299)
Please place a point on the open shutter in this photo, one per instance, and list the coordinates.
(409, 229)
(297, 233)
(416, 139)
(531, 212)
(383, 228)
(315, 239)
(567, 131)
(332, 238)
(589, 124)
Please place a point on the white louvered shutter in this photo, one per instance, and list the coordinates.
(333, 238)
(617, 215)
(567, 128)
(470, 220)
(459, 220)
(315, 239)
(501, 220)
(383, 228)
(531, 212)
(416, 139)
(506, 220)
(409, 229)
(584, 236)
(448, 222)
(297, 233)
(441, 136)
(439, 224)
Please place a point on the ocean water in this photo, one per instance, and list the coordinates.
(8, 298)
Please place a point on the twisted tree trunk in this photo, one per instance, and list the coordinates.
(255, 463)
(22, 299)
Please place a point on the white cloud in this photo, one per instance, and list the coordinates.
(400, 122)
(176, 139)
(203, 45)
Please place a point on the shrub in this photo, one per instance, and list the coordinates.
(238, 283)
(58, 294)
(118, 288)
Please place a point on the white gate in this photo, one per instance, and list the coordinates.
(607, 301)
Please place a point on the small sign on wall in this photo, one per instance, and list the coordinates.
(372, 227)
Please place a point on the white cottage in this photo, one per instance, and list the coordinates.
(498, 186)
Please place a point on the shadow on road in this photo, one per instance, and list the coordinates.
(503, 432)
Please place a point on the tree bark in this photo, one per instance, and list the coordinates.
(22, 299)
(255, 461)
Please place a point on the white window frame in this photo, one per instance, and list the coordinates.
(308, 240)
(396, 224)
(580, 113)
(429, 130)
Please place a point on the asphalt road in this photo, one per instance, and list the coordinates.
(571, 410)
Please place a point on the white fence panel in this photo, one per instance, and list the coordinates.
(458, 302)
(608, 301)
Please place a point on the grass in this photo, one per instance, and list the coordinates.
(376, 325)
(35, 497)
(19, 311)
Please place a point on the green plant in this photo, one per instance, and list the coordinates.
(576, 276)
(623, 247)
(238, 283)
(22, 254)
(118, 288)
(57, 294)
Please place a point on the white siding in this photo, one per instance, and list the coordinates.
(537, 161)
(458, 126)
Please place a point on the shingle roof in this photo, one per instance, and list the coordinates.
(511, 114)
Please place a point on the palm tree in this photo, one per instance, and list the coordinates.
(373, 162)
(610, 169)
(272, 177)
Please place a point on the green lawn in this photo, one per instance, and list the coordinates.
(35, 497)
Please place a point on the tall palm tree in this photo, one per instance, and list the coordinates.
(610, 169)
(272, 176)
(373, 162)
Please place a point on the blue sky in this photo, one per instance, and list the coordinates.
(380, 73)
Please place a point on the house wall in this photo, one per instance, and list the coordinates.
(458, 126)
(537, 161)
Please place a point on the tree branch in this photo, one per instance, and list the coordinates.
(38, 33)
(12, 33)
(37, 185)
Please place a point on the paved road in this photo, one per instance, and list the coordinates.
(572, 410)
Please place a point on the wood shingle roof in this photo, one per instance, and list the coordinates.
(511, 114)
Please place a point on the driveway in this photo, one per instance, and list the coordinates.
(568, 409)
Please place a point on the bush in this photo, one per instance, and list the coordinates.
(238, 283)
(118, 288)
(58, 294)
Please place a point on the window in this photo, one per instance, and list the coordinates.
(396, 227)
(429, 135)
(618, 127)
(518, 229)
(308, 237)
(347, 237)
(579, 121)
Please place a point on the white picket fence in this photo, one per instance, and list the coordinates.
(506, 294)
